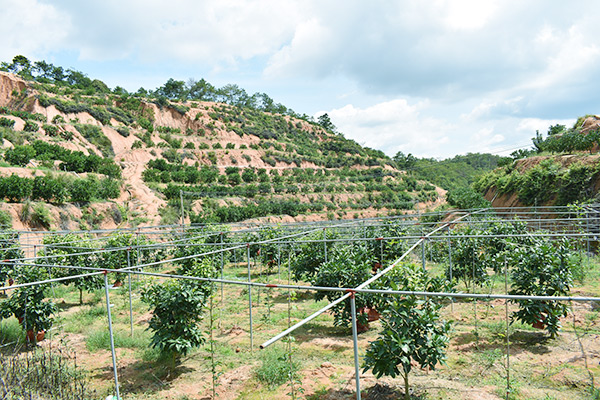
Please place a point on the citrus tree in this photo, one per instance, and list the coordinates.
(28, 303)
(348, 266)
(542, 269)
(413, 331)
(469, 260)
(9, 250)
(177, 307)
(73, 250)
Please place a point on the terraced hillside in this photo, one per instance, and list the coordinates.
(76, 154)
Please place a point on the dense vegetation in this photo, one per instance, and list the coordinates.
(550, 179)
(285, 163)
(453, 173)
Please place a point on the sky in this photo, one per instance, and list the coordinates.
(432, 78)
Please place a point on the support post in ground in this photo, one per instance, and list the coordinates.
(355, 341)
(129, 283)
(110, 331)
(250, 298)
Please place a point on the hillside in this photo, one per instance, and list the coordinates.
(79, 155)
(562, 169)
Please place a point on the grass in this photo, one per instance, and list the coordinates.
(100, 340)
(11, 332)
(276, 367)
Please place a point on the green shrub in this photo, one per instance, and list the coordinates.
(96, 137)
(15, 189)
(5, 220)
(413, 331)
(123, 131)
(50, 130)
(7, 122)
(58, 119)
(20, 155)
(41, 216)
(31, 126)
(276, 367)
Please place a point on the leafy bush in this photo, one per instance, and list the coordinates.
(96, 137)
(27, 303)
(5, 221)
(544, 269)
(177, 333)
(31, 126)
(50, 130)
(348, 266)
(19, 155)
(40, 216)
(276, 367)
(466, 198)
(15, 189)
(412, 328)
(123, 131)
(7, 122)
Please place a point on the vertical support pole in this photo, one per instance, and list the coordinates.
(325, 243)
(182, 216)
(139, 258)
(110, 331)
(450, 266)
(355, 341)
(278, 261)
(587, 236)
(475, 302)
(381, 248)
(250, 298)
(507, 332)
(222, 265)
(129, 283)
(423, 239)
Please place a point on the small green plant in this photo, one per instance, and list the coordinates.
(276, 367)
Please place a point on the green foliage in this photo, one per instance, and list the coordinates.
(27, 303)
(19, 155)
(546, 182)
(347, 266)
(123, 131)
(466, 198)
(96, 137)
(468, 258)
(9, 250)
(64, 249)
(412, 328)
(15, 189)
(6, 122)
(453, 173)
(5, 220)
(543, 269)
(31, 126)
(276, 366)
(37, 215)
(176, 333)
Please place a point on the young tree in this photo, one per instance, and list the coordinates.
(412, 328)
(177, 307)
(543, 269)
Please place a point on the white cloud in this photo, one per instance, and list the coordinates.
(393, 126)
(29, 28)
